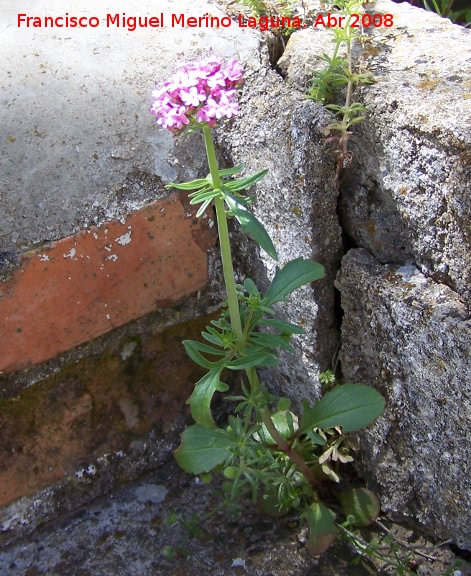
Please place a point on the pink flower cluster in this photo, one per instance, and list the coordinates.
(205, 91)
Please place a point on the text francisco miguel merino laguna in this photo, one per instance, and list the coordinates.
(132, 23)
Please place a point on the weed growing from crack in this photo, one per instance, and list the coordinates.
(339, 73)
(283, 460)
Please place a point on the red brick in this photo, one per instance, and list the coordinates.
(98, 405)
(87, 284)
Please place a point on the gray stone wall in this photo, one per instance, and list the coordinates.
(405, 203)
(409, 336)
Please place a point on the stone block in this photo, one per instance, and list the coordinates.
(409, 337)
(406, 196)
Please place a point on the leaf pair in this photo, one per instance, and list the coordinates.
(359, 504)
(203, 192)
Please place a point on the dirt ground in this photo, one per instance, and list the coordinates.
(133, 531)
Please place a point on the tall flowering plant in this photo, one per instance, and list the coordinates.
(266, 449)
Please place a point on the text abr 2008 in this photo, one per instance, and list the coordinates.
(357, 20)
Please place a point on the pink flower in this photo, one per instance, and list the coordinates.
(228, 107)
(199, 92)
(234, 71)
(192, 97)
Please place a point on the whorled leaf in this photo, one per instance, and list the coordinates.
(351, 406)
(203, 449)
(193, 185)
(231, 171)
(291, 277)
(322, 529)
(203, 195)
(245, 183)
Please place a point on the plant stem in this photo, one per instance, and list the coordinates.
(224, 242)
(286, 448)
(233, 304)
(346, 116)
(297, 460)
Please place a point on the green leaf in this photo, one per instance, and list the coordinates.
(251, 287)
(322, 529)
(193, 185)
(292, 276)
(361, 503)
(202, 195)
(245, 183)
(212, 336)
(257, 359)
(250, 225)
(200, 400)
(203, 207)
(193, 349)
(315, 437)
(196, 356)
(271, 341)
(355, 121)
(231, 171)
(243, 200)
(203, 449)
(283, 404)
(282, 326)
(284, 423)
(202, 347)
(351, 406)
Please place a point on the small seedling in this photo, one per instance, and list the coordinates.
(338, 74)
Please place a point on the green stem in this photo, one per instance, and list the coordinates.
(350, 83)
(348, 98)
(233, 303)
(286, 448)
(297, 460)
(224, 242)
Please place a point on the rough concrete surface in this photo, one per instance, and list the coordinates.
(410, 337)
(125, 534)
(407, 195)
(75, 113)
